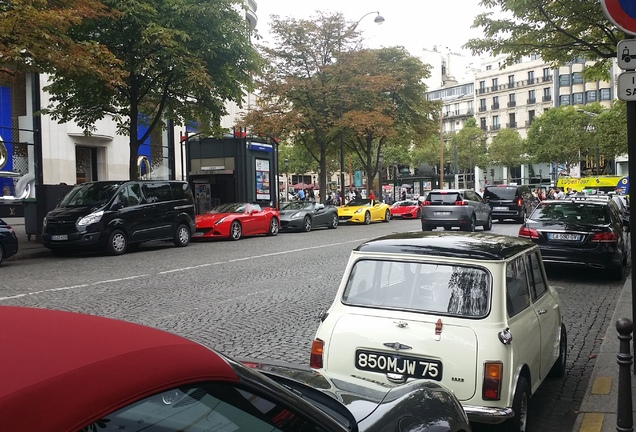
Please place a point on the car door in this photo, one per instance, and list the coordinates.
(475, 201)
(320, 215)
(130, 208)
(523, 320)
(547, 310)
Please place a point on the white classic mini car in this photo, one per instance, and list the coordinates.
(473, 311)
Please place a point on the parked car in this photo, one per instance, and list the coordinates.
(89, 373)
(362, 210)
(306, 215)
(582, 231)
(407, 209)
(623, 207)
(115, 215)
(510, 201)
(474, 312)
(449, 208)
(8, 241)
(236, 220)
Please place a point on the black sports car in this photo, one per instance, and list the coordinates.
(8, 241)
(365, 405)
(305, 215)
(587, 232)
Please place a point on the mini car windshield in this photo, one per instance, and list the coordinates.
(575, 212)
(298, 205)
(229, 208)
(89, 195)
(421, 287)
(359, 202)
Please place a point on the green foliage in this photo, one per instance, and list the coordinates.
(507, 149)
(611, 130)
(183, 60)
(559, 31)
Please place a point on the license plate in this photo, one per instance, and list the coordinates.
(198, 234)
(59, 237)
(559, 236)
(441, 213)
(415, 367)
(500, 208)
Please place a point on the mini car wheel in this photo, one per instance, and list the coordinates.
(182, 236)
(117, 243)
(307, 224)
(334, 222)
(273, 227)
(558, 370)
(387, 216)
(236, 231)
(470, 226)
(367, 218)
(488, 224)
(519, 422)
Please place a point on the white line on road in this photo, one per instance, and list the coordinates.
(176, 270)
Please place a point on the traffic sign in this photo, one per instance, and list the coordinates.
(627, 86)
(622, 13)
(626, 53)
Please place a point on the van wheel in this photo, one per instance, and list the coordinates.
(519, 423)
(273, 227)
(182, 236)
(558, 370)
(117, 243)
(235, 230)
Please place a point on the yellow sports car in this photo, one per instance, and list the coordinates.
(364, 211)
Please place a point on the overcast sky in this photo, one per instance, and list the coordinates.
(414, 24)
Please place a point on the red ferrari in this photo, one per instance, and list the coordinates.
(235, 220)
(407, 209)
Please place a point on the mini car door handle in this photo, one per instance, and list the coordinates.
(401, 324)
(542, 311)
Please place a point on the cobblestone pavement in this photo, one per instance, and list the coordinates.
(260, 297)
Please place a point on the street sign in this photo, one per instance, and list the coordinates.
(627, 86)
(626, 53)
(622, 13)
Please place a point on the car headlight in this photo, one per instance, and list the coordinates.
(296, 215)
(91, 218)
(358, 211)
(220, 220)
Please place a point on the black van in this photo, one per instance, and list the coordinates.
(115, 215)
(510, 201)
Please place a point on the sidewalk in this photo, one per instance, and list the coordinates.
(26, 249)
(598, 409)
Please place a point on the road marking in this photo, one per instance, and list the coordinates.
(107, 281)
(602, 385)
(592, 422)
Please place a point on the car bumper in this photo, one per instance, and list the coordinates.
(357, 218)
(454, 219)
(516, 213)
(208, 233)
(74, 240)
(601, 257)
(490, 415)
(10, 248)
(291, 225)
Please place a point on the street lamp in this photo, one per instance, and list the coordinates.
(379, 19)
(379, 174)
(286, 179)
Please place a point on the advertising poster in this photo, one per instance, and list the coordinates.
(262, 180)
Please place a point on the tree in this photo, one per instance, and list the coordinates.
(507, 149)
(183, 60)
(36, 36)
(559, 31)
(611, 130)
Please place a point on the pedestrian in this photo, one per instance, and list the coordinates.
(569, 193)
(301, 195)
(356, 194)
(403, 195)
(312, 195)
(559, 194)
(371, 195)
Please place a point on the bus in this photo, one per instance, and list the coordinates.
(601, 183)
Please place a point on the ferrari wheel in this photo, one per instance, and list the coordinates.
(236, 231)
(307, 224)
(273, 227)
(367, 218)
(387, 216)
(334, 222)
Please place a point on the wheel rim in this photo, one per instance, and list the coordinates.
(472, 225)
(334, 221)
(184, 235)
(489, 222)
(387, 216)
(119, 242)
(307, 224)
(274, 226)
(236, 231)
(367, 218)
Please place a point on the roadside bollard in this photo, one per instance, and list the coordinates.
(624, 418)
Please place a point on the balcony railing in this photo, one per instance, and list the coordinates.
(547, 78)
(532, 80)
(495, 127)
(512, 125)
(547, 98)
(512, 103)
(482, 109)
(529, 122)
(532, 100)
(494, 106)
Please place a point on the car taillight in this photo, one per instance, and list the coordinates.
(426, 203)
(519, 202)
(10, 229)
(525, 232)
(315, 360)
(604, 237)
(491, 388)
(460, 202)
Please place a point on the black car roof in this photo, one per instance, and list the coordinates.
(449, 244)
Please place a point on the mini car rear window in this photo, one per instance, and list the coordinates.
(422, 287)
(579, 212)
(500, 193)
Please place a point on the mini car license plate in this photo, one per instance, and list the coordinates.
(560, 236)
(59, 237)
(415, 367)
(500, 208)
(441, 213)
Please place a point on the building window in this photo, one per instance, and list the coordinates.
(564, 80)
(546, 94)
(577, 99)
(482, 123)
(530, 77)
(564, 100)
(590, 96)
(531, 96)
(495, 83)
(482, 105)
(546, 74)
(511, 100)
(495, 122)
(511, 80)
(489, 67)
(577, 78)
(606, 94)
(530, 117)
(535, 57)
(495, 102)
(482, 86)
(512, 120)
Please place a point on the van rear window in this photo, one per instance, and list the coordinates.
(500, 193)
(181, 191)
(157, 192)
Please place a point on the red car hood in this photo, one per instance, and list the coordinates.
(209, 219)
